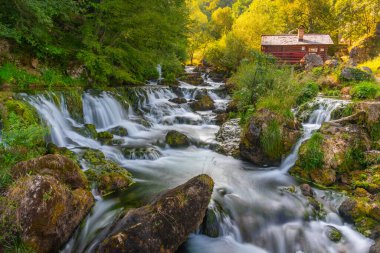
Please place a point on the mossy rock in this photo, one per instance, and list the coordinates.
(90, 130)
(333, 234)
(204, 103)
(53, 149)
(210, 225)
(60, 167)
(74, 103)
(106, 175)
(165, 224)
(120, 131)
(176, 139)
(47, 211)
(105, 135)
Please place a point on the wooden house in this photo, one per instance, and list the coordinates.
(291, 48)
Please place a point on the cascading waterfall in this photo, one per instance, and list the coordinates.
(254, 212)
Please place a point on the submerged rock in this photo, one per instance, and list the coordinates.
(176, 139)
(333, 234)
(165, 224)
(120, 131)
(203, 103)
(178, 100)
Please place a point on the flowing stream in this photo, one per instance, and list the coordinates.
(255, 211)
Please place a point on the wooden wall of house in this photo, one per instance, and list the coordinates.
(317, 49)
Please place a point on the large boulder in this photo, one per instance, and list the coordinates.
(268, 137)
(47, 211)
(311, 61)
(354, 74)
(61, 168)
(47, 201)
(165, 224)
(192, 78)
(176, 139)
(365, 49)
(203, 103)
(338, 147)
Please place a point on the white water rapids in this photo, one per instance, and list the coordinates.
(255, 214)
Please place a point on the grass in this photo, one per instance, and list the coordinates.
(271, 140)
(263, 84)
(22, 79)
(311, 153)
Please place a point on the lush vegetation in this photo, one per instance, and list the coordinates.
(366, 90)
(223, 29)
(311, 154)
(117, 41)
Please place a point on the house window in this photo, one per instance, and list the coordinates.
(313, 50)
(303, 48)
(322, 49)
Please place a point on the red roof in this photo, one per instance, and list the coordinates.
(292, 39)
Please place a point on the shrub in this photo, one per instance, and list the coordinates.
(10, 74)
(311, 155)
(366, 90)
(307, 93)
(263, 84)
(354, 74)
(271, 140)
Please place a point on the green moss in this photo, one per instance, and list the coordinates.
(354, 158)
(74, 103)
(105, 175)
(374, 131)
(91, 130)
(334, 234)
(271, 140)
(105, 135)
(177, 139)
(311, 153)
(22, 109)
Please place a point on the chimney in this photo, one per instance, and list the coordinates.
(301, 33)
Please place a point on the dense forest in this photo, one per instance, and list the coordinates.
(165, 126)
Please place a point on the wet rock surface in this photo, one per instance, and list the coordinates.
(228, 137)
(165, 224)
(203, 103)
(177, 139)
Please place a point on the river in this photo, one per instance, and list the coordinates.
(256, 213)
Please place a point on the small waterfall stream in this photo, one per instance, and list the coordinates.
(254, 212)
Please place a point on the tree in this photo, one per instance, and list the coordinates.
(125, 40)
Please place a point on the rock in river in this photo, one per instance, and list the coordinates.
(165, 224)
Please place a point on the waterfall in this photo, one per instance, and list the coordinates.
(253, 213)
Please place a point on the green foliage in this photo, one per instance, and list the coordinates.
(10, 74)
(366, 90)
(271, 140)
(127, 47)
(263, 84)
(355, 75)
(43, 26)
(311, 155)
(309, 92)
(354, 158)
(22, 79)
(21, 140)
